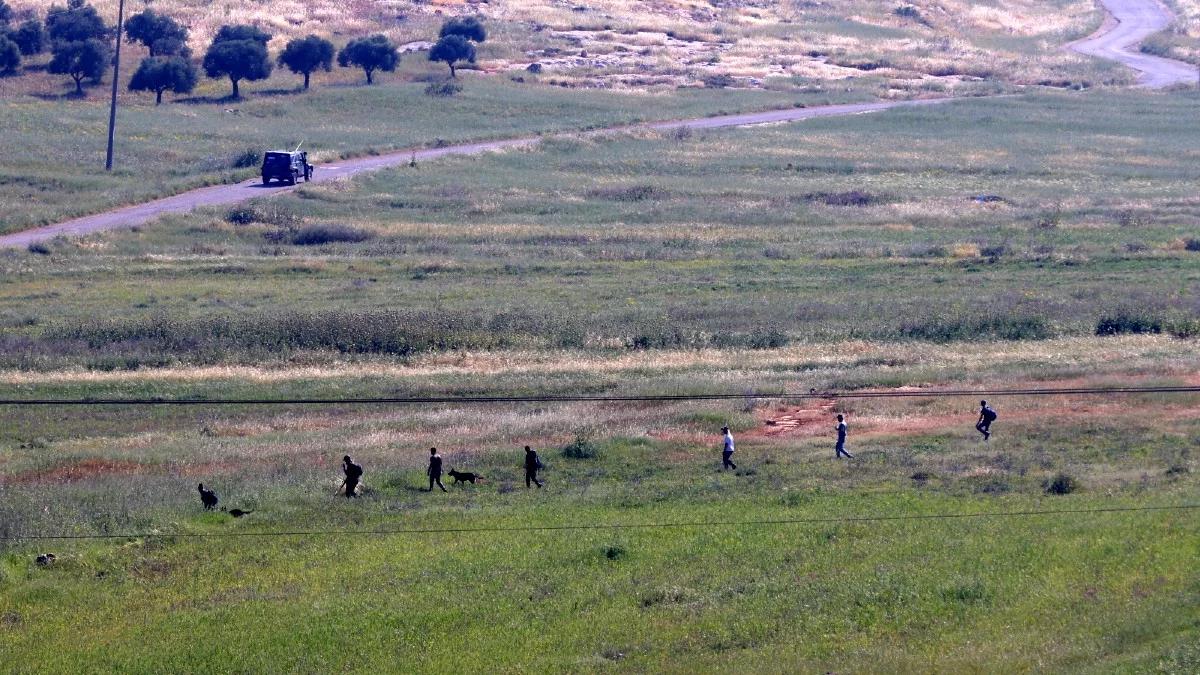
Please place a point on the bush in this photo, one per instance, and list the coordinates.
(718, 81)
(246, 159)
(39, 248)
(315, 235)
(614, 552)
(583, 447)
(1062, 484)
(1192, 244)
(442, 89)
(1129, 321)
(849, 198)
(632, 193)
(952, 328)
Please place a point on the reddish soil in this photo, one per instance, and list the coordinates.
(77, 471)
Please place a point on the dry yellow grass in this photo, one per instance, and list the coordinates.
(630, 44)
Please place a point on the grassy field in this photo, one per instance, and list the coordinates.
(980, 244)
(1021, 218)
(1000, 593)
(54, 152)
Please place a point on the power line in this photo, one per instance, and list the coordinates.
(584, 398)
(607, 526)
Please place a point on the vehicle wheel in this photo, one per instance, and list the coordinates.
(266, 181)
(293, 180)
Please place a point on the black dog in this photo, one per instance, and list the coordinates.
(463, 477)
(208, 497)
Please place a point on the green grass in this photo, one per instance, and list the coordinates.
(1102, 592)
(54, 150)
(723, 239)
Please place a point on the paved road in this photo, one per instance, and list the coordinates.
(223, 195)
(1136, 19)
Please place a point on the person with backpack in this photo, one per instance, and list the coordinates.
(727, 451)
(532, 464)
(986, 417)
(435, 470)
(840, 448)
(353, 473)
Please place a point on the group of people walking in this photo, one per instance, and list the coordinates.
(532, 463)
(984, 426)
(353, 472)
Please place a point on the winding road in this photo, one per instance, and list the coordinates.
(1132, 20)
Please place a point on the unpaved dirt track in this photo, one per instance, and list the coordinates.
(1135, 20)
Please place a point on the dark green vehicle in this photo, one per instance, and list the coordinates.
(286, 167)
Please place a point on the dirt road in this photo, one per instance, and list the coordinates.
(1134, 20)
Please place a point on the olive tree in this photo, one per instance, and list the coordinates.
(469, 27)
(81, 60)
(160, 73)
(239, 53)
(371, 54)
(161, 34)
(305, 55)
(77, 22)
(29, 37)
(453, 49)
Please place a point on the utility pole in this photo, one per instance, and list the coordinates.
(112, 110)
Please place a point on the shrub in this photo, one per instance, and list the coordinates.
(241, 215)
(1192, 244)
(40, 248)
(958, 327)
(10, 56)
(442, 89)
(848, 198)
(583, 447)
(1061, 484)
(615, 551)
(316, 235)
(718, 80)
(246, 159)
(632, 193)
(1129, 321)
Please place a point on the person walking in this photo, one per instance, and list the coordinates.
(727, 451)
(840, 448)
(986, 417)
(435, 470)
(532, 464)
(354, 473)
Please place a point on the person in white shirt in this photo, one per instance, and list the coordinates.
(727, 451)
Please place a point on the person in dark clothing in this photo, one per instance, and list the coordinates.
(435, 470)
(532, 464)
(840, 448)
(727, 450)
(986, 417)
(353, 473)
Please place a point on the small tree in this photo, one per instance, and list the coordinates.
(371, 54)
(160, 73)
(305, 55)
(29, 37)
(10, 56)
(453, 49)
(470, 28)
(156, 32)
(80, 60)
(78, 22)
(238, 60)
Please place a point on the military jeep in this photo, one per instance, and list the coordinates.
(286, 167)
